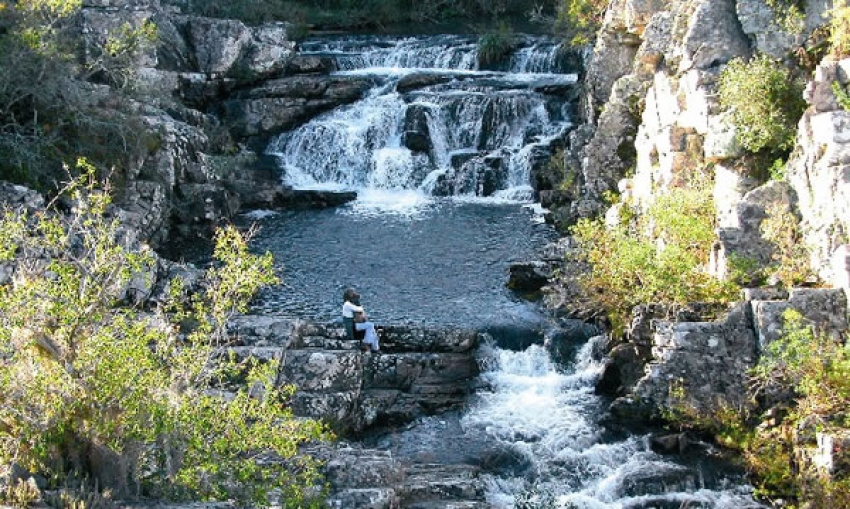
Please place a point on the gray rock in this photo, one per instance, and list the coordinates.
(695, 364)
(819, 168)
(529, 276)
(826, 309)
(420, 80)
(283, 104)
(311, 199)
(311, 64)
(19, 197)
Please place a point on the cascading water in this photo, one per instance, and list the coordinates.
(436, 126)
(460, 132)
(548, 418)
(535, 432)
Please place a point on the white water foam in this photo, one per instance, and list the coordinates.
(485, 129)
(548, 417)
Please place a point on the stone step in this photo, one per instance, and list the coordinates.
(435, 485)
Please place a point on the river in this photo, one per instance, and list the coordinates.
(443, 168)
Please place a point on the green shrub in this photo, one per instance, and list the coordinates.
(495, 45)
(766, 103)
(580, 20)
(841, 96)
(659, 259)
(839, 31)
(815, 368)
(81, 374)
(781, 228)
(788, 15)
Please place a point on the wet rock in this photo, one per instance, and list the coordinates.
(529, 277)
(563, 341)
(458, 159)
(420, 80)
(311, 64)
(283, 104)
(673, 443)
(416, 134)
(624, 368)
(311, 199)
(416, 141)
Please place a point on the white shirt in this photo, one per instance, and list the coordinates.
(348, 309)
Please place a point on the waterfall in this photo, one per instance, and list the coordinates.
(547, 418)
(471, 133)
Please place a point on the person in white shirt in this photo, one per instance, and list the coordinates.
(354, 318)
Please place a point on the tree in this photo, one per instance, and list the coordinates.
(92, 387)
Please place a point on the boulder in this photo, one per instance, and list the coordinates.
(416, 134)
(695, 365)
(286, 198)
(529, 277)
(420, 80)
(311, 64)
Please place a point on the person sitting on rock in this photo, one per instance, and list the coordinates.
(354, 319)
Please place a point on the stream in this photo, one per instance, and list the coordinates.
(442, 156)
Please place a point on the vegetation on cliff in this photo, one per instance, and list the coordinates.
(765, 102)
(657, 256)
(96, 390)
(66, 114)
(371, 14)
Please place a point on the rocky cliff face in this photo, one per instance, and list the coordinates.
(210, 93)
(651, 104)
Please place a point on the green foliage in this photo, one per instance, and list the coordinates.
(116, 61)
(22, 493)
(579, 20)
(42, 126)
(816, 366)
(781, 227)
(839, 31)
(744, 271)
(372, 14)
(816, 369)
(660, 259)
(495, 45)
(81, 373)
(841, 96)
(788, 15)
(766, 103)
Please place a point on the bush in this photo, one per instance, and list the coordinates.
(580, 20)
(766, 103)
(839, 31)
(792, 264)
(659, 259)
(86, 381)
(42, 126)
(495, 46)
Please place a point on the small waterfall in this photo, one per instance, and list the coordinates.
(547, 418)
(473, 133)
(537, 58)
(443, 52)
